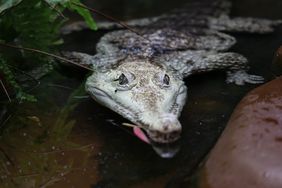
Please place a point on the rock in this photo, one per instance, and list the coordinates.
(249, 152)
(277, 62)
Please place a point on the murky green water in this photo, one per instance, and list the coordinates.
(68, 140)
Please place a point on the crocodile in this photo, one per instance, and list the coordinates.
(140, 74)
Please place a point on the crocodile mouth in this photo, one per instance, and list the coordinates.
(168, 150)
(165, 150)
(98, 92)
(105, 99)
(165, 144)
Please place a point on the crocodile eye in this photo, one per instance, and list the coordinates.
(125, 81)
(122, 80)
(166, 79)
(162, 80)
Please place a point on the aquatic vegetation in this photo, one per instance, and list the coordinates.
(35, 24)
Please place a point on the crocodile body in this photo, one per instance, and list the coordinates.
(140, 76)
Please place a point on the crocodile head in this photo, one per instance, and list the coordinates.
(147, 94)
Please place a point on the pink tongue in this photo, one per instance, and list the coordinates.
(139, 133)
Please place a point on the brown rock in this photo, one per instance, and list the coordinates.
(277, 62)
(249, 152)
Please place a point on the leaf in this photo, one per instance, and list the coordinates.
(10, 78)
(33, 24)
(57, 1)
(83, 12)
(6, 4)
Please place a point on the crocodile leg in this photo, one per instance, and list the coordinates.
(94, 62)
(191, 62)
(239, 24)
(80, 58)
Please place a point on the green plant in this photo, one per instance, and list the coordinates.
(34, 24)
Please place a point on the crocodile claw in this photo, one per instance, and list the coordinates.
(241, 77)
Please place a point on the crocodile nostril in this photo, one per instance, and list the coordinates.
(165, 127)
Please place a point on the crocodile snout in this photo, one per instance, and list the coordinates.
(168, 130)
(160, 137)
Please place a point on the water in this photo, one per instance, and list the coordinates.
(68, 140)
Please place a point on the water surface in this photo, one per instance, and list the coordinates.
(68, 140)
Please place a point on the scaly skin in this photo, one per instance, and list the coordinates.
(141, 76)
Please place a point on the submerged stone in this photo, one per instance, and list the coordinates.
(248, 154)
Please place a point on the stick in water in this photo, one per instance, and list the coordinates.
(46, 53)
(5, 90)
